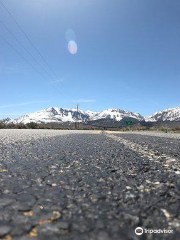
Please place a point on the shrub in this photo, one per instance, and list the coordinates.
(20, 126)
(1, 125)
(32, 125)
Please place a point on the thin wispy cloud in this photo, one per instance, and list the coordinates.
(12, 69)
(23, 104)
(84, 100)
(12, 114)
(156, 103)
(132, 99)
(56, 81)
(8, 69)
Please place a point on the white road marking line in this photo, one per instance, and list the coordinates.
(152, 155)
(144, 151)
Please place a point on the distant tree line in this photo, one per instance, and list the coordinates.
(71, 126)
(33, 125)
(30, 125)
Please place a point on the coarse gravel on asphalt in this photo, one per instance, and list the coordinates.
(84, 186)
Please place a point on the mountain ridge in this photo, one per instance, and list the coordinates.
(61, 115)
(169, 114)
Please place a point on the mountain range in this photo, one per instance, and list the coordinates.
(62, 115)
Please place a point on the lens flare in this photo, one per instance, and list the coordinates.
(70, 35)
(72, 47)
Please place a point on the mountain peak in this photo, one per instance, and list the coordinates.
(169, 114)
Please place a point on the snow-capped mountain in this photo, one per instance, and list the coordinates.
(53, 115)
(117, 115)
(172, 114)
(8, 120)
(60, 115)
(92, 114)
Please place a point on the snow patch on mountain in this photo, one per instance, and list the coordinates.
(8, 120)
(172, 114)
(117, 115)
(92, 114)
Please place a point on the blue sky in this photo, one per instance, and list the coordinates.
(128, 55)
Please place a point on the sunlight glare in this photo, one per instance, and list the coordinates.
(72, 47)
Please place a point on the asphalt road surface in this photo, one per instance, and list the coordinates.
(88, 185)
